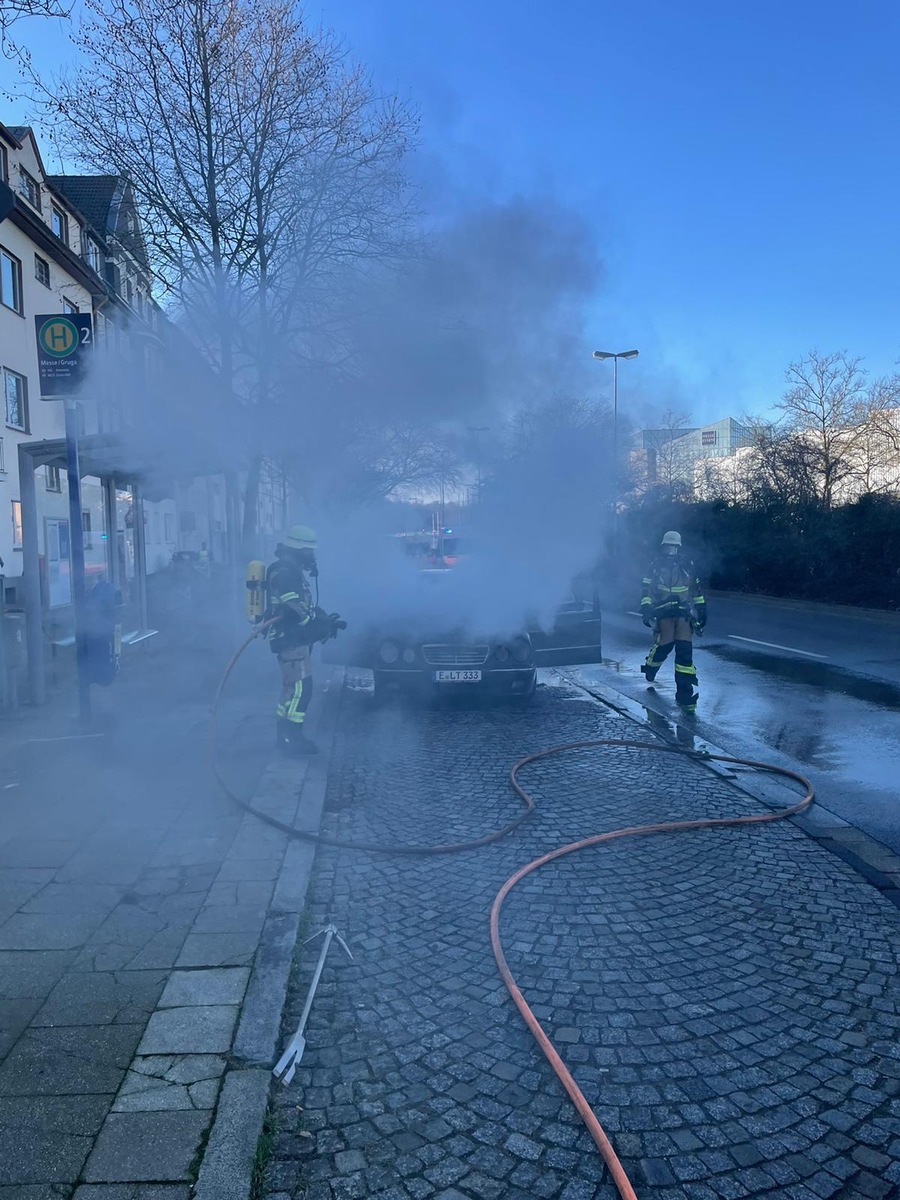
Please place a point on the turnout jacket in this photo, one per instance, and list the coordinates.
(672, 589)
(291, 601)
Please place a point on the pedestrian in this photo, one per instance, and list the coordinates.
(298, 624)
(102, 632)
(673, 605)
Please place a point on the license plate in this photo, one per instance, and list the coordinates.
(457, 677)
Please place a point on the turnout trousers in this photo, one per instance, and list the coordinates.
(296, 684)
(674, 633)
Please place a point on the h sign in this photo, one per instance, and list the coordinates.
(64, 343)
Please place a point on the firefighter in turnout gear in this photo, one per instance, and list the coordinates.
(673, 604)
(298, 624)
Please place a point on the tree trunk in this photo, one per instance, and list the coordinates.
(251, 506)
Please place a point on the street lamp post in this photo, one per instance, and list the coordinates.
(615, 358)
(603, 354)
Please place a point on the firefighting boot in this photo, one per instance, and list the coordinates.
(686, 699)
(300, 746)
(649, 672)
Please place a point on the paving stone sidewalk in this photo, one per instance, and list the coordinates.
(134, 910)
(729, 1001)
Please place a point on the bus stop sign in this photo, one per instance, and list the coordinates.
(64, 343)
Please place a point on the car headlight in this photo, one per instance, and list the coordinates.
(388, 652)
(521, 650)
(409, 655)
(501, 654)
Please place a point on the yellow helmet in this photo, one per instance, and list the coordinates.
(672, 538)
(300, 537)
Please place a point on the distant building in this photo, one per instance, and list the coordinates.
(668, 458)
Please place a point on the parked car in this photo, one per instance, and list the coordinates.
(439, 659)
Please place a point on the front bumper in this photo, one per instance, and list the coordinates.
(500, 682)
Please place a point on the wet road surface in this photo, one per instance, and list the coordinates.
(818, 691)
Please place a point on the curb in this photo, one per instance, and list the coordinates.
(876, 863)
(228, 1163)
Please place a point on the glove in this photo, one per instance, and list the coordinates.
(648, 620)
(700, 622)
(336, 624)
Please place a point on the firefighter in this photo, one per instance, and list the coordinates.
(298, 625)
(673, 604)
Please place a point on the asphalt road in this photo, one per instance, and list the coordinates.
(803, 686)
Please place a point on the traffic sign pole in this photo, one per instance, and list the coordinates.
(64, 345)
(76, 545)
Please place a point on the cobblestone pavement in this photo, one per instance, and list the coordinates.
(727, 1000)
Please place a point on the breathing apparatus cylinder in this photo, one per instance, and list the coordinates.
(255, 600)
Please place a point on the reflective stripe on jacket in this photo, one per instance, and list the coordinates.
(290, 600)
(672, 588)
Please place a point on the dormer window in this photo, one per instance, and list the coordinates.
(59, 223)
(93, 255)
(30, 188)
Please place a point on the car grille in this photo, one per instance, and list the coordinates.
(456, 656)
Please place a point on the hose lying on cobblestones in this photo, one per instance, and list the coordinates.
(321, 838)
(562, 1072)
(582, 1106)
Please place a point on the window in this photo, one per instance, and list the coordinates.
(54, 483)
(15, 389)
(93, 256)
(17, 524)
(710, 437)
(69, 307)
(2, 463)
(60, 224)
(42, 270)
(4, 164)
(86, 528)
(10, 281)
(129, 291)
(170, 527)
(30, 188)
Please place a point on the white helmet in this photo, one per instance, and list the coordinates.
(672, 538)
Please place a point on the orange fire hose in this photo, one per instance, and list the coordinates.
(562, 1072)
(574, 1092)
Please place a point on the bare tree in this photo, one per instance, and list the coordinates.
(781, 468)
(12, 10)
(825, 406)
(878, 440)
(264, 162)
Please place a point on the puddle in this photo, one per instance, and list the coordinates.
(812, 674)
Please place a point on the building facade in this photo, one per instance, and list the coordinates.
(73, 244)
(670, 458)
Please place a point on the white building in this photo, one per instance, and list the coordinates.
(74, 244)
(43, 269)
(671, 458)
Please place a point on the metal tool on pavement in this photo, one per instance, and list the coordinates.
(286, 1066)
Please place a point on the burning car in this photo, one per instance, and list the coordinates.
(429, 655)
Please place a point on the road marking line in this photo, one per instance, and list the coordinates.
(775, 646)
(69, 737)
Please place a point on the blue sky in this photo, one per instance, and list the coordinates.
(737, 158)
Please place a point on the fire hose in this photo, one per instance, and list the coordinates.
(540, 1035)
